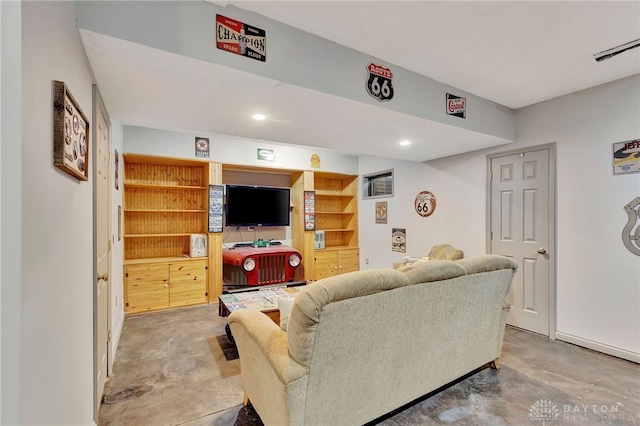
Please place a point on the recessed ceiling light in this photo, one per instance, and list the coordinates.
(259, 117)
(405, 143)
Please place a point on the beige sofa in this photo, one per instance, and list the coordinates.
(361, 344)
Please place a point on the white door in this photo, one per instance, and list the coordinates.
(103, 248)
(520, 223)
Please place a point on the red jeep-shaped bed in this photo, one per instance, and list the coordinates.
(247, 265)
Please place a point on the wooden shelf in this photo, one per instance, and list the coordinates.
(332, 194)
(162, 260)
(161, 235)
(337, 230)
(164, 211)
(155, 186)
(325, 212)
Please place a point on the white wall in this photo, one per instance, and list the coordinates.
(233, 150)
(117, 246)
(10, 210)
(56, 385)
(598, 280)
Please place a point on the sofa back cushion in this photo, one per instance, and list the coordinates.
(311, 299)
(432, 270)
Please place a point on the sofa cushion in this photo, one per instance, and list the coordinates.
(284, 305)
(433, 270)
(310, 300)
(487, 263)
(445, 252)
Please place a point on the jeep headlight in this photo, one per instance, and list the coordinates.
(294, 260)
(249, 264)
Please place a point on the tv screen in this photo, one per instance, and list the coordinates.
(257, 206)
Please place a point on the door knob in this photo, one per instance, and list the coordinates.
(542, 250)
(104, 277)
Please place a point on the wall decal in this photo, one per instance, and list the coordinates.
(379, 84)
(626, 157)
(425, 203)
(630, 238)
(240, 38)
(456, 106)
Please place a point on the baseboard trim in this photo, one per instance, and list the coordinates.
(606, 349)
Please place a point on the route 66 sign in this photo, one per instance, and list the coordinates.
(379, 82)
(425, 203)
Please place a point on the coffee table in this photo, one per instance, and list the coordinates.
(265, 299)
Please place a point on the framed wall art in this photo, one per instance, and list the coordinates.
(381, 212)
(70, 134)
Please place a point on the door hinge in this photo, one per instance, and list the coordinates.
(490, 175)
(108, 336)
(109, 245)
(109, 155)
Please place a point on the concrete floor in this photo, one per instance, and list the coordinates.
(172, 368)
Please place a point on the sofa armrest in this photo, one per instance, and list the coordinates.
(268, 339)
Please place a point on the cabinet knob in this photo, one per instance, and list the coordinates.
(166, 284)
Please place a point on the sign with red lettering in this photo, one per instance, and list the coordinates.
(379, 82)
(240, 38)
(626, 157)
(456, 106)
(425, 203)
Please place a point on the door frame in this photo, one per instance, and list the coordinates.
(551, 219)
(99, 108)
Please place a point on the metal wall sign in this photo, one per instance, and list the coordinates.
(202, 147)
(240, 38)
(379, 85)
(626, 157)
(456, 106)
(631, 238)
(425, 203)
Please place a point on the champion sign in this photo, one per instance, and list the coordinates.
(456, 106)
(241, 39)
(379, 82)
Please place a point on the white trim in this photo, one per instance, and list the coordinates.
(606, 349)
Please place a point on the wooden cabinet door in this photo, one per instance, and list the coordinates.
(146, 287)
(326, 264)
(348, 261)
(188, 283)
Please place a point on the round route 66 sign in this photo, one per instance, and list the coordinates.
(425, 203)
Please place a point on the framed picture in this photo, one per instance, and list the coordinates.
(381, 212)
(70, 134)
(117, 166)
(309, 210)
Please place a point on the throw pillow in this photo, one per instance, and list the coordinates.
(284, 305)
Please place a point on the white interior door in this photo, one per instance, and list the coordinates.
(103, 250)
(519, 215)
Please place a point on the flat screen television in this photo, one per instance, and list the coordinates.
(257, 206)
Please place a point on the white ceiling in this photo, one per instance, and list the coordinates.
(513, 53)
